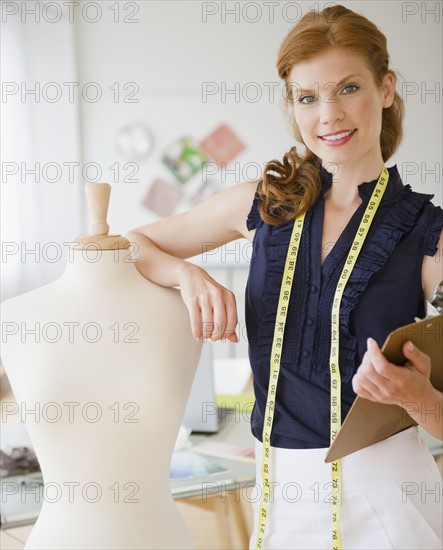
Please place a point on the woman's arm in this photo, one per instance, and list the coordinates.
(163, 246)
(408, 386)
(432, 271)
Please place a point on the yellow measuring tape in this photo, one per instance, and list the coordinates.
(276, 353)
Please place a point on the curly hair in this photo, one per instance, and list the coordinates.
(291, 186)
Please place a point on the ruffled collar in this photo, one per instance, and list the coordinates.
(395, 189)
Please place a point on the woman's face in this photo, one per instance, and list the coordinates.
(338, 107)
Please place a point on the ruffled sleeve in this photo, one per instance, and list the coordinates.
(434, 231)
(393, 224)
(253, 219)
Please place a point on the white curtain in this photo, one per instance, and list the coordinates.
(37, 134)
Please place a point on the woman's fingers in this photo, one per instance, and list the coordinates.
(365, 387)
(224, 325)
(218, 313)
(383, 381)
(212, 308)
(231, 319)
(195, 319)
(417, 358)
(224, 316)
(207, 319)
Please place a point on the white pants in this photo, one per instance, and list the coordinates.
(391, 498)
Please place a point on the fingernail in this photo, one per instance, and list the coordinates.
(370, 342)
(410, 346)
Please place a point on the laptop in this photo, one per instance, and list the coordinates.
(201, 413)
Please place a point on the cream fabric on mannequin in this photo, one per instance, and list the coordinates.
(109, 379)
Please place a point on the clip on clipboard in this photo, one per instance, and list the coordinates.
(368, 422)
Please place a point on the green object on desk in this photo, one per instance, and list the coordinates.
(242, 402)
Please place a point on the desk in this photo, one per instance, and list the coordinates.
(218, 509)
(234, 429)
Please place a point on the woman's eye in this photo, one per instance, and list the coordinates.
(350, 88)
(306, 99)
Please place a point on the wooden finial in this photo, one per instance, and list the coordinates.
(98, 202)
(97, 196)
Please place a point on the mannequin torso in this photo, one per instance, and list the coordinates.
(106, 359)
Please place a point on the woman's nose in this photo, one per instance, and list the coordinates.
(331, 109)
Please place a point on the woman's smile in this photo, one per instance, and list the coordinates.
(338, 138)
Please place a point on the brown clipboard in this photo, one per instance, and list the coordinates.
(368, 422)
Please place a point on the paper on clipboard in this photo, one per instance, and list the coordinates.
(368, 422)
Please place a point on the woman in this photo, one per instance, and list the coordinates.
(346, 111)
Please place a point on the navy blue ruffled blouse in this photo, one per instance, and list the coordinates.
(384, 292)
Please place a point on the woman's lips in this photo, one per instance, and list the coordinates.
(339, 138)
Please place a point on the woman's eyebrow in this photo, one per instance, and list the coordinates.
(326, 85)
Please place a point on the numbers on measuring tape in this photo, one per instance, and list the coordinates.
(277, 345)
(335, 419)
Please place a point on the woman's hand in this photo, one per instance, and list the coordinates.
(379, 380)
(408, 386)
(212, 307)
(164, 245)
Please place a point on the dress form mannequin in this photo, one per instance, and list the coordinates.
(107, 372)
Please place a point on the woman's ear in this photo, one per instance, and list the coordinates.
(388, 89)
